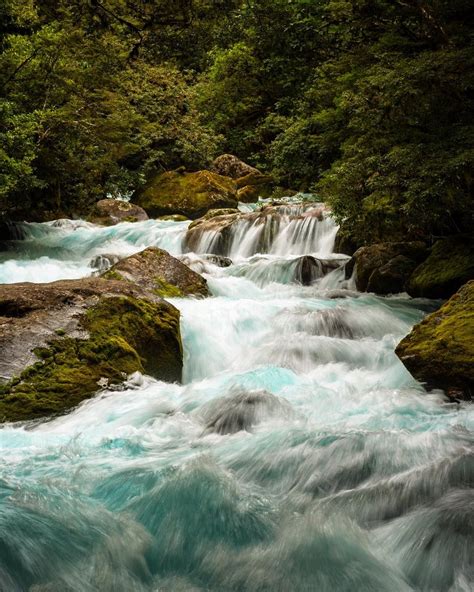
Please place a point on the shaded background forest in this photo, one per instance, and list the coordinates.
(368, 103)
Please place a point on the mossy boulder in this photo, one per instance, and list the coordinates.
(373, 259)
(157, 271)
(449, 266)
(112, 211)
(188, 194)
(61, 342)
(439, 351)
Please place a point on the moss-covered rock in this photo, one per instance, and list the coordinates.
(188, 194)
(449, 266)
(369, 260)
(61, 342)
(439, 351)
(157, 271)
(112, 211)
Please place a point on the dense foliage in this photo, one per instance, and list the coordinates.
(367, 102)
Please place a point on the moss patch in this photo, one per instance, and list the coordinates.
(166, 290)
(125, 335)
(440, 349)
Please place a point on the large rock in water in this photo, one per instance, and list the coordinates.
(440, 350)
(157, 271)
(449, 266)
(188, 194)
(112, 211)
(385, 268)
(61, 342)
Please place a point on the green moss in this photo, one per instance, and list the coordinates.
(125, 335)
(111, 274)
(188, 194)
(440, 349)
(449, 266)
(166, 290)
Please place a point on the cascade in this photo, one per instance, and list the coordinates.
(297, 454)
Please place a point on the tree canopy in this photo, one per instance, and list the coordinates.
(366, 102)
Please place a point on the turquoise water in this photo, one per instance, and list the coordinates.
(346, 477)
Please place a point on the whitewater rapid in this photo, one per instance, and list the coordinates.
(347, 476)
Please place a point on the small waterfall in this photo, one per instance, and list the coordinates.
(278, 230)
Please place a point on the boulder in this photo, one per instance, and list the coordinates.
(241, 410)
(449, 266)
(61, 342)
(392, 277)
(112, 211)
(188, 194)
(439, 351)
(371, 258)
(229, 165)
(157, 271)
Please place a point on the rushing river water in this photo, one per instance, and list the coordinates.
(346, 476)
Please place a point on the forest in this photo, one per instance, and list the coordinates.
(366, 103)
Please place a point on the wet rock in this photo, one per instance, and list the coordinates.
(188, 194)
(229, 165)
(112, 211)
(103, 262)
(449, 266)
(157, 271)
(439, 351)
(392, 277)
(371, 258)
(219, 229)
(241, 410)
(308, 269)
(213, 214)
(61, 342)
(218, 260)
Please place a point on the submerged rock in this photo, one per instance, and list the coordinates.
(156, 270)
(61, 342)
(112, 211)
(439, 351)
(379, 268)
(188, 194)
(449, 266)
(241, 410)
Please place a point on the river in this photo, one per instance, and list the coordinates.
(346, 476)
